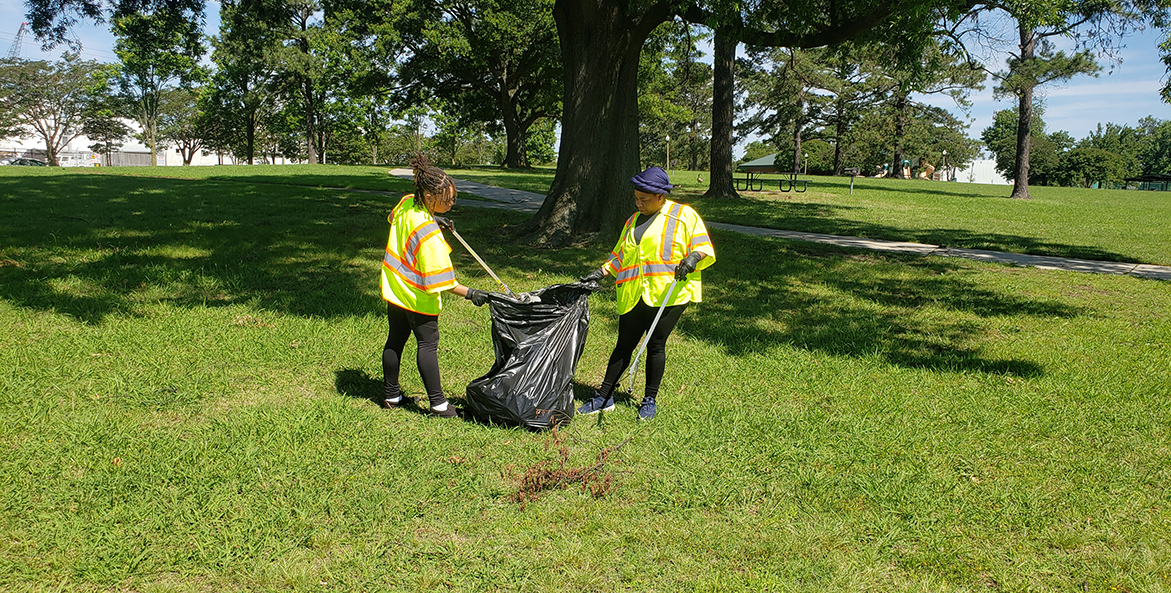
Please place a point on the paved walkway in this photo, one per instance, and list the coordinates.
(523, 201)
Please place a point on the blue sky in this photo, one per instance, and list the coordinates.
(1123, 93)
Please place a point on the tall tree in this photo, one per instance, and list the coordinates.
(1002, 138)
(295, 26)
(156, 50)
(487, 60)
(1085, 167)
(778, 85)
(675, 96)
(179, 122)
(103, 123)
(49, 99)
(1155, 148)
(907, 25)
(600, 45)
(241, 89)
(1093, 26)
(853, 90)
(940, 69)
(359, 48)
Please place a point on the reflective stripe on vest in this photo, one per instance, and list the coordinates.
(668, 241)
(424, 232)
(416, 266)
(412, 276)
(698, 241)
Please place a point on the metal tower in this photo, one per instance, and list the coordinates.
(14, 52)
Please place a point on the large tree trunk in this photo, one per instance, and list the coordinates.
(591, 191)
(798, 123)
(901, 103)
(1020, 181)
(839, 133)
(515, 132)
(250, 137)
(724, 55)
(50, 151)
(310, 116)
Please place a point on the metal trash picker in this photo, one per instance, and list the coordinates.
(507, 290)
(633, 371)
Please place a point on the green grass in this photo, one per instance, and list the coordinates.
(1111, 225)
(186, 369)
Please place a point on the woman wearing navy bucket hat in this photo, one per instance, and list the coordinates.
(664, 241)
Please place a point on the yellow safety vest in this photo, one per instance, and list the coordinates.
(417, 264)
(645, 269)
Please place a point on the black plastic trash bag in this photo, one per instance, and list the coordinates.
(538, 338)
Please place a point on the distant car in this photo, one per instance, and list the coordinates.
(23, 162)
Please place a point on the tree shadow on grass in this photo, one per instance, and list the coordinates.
(909, 310)
(834, 219)
(91, 246)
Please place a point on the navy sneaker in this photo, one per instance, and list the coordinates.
(598, 404)
(646, 411)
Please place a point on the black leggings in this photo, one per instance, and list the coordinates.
(631, 327)
(426, 329)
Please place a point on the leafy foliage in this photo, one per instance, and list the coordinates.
(487, 61)
(675, 97)
(49, 99)
(1044, 149)
(156, 50)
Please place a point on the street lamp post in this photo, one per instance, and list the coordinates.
(668, 156)
(806, 164)
(943, 165)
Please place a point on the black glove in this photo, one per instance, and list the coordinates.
(477, 297)
(687, 266)
(593, 276)
(444, 223)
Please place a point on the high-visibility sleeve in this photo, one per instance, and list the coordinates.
(699, 240)
(433, 260)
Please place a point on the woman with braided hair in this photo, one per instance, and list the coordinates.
(415, 270)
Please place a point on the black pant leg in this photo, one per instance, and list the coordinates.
(426, 330)
(656, 349)
(631, 326)
(399, 329)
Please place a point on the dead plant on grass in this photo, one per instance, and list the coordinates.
(596, 479)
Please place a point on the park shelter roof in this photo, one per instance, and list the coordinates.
(1151, 177)
(765, 164)
(1152, 181)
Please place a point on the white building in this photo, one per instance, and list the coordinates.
(133, 153)
(981, 171)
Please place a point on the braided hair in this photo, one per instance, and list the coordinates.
(430, 180)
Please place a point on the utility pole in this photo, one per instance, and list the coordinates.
(14, 52)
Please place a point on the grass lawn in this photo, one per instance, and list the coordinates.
(1112, 225)
(187, 368)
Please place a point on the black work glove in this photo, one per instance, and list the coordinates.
(477, 297)
(593, 276)
(687, 266)
(444, 223)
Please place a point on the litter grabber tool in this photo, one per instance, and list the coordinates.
(634, 365)
(507, 290)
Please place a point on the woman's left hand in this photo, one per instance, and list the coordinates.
(687, 266)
